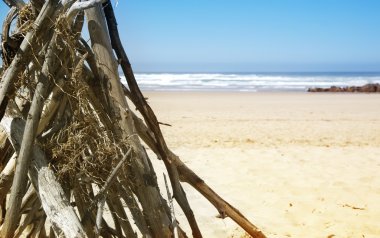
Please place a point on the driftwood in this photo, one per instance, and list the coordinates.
(55, 204)
(72, 162)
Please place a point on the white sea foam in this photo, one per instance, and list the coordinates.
(250, 82)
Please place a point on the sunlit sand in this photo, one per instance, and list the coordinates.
(296, 164)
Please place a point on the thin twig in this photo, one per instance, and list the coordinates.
(100, 197)
(170, 199)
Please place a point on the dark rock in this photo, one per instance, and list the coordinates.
(368, 88)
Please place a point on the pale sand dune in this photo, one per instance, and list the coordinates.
(296, 164)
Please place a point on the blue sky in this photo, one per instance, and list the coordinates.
(250, 35)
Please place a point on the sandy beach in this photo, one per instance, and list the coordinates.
(295, 164)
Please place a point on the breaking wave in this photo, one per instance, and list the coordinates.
(249, 82)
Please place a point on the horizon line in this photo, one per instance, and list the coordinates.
(254, 72)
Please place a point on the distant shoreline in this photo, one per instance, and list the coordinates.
(252, 82)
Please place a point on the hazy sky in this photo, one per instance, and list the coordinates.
(250, 35)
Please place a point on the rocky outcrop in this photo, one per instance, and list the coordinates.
(368, 88)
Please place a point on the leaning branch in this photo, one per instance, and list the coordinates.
(106, 186)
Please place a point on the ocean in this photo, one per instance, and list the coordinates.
(250, 82)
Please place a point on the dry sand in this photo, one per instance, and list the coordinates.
(296, 164)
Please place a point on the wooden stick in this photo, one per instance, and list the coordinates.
(28, 200)
(224, 208)
(37, 4)
(79, 192)
(80, 6)
(51, 107)
(113, 174)
(116, 207)
(6, 39)
(102, 192)
(118, 229)
(6, 178)
(99, 215)
(108, 232)
(56, 206)
(97, 83)
(162, 149)
(28, 46)
(149, 117)
(170, 200)
(39, 228)
(28, 218)
(20, 179)
(146, 186)
(188, 176)
(127, 195)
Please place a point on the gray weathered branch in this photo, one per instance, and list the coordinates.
(80, 6)
(28, 47)
(53, 200)
(147, 192)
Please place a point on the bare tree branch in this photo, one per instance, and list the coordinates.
(80, 6)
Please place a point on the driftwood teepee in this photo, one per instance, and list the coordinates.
(69, 143)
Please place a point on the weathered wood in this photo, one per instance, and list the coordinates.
(99, 215)
(51, 233)
(5, 37)
(116, 207)
(188, 176)
(102, 192)
(148, 194)
(97, 102)
(22, 165)
(39, 228)
(116, 220)
(28, 200)
(127, 195)
(37, 4)
(51, 107)
(28, 218)
(59, 119)
(89, 223)
(104, 94)
(5, 149)
(223, 207)
(170, 201)
(97, 84)
(137, 97)
(80, 6)
(108, 232)
(150, 119)
(56, 206)
(29, 45)
(6, 178)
